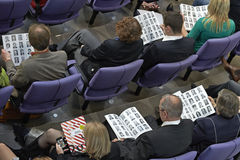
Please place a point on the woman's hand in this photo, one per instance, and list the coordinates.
(59, 149)
(116, 140)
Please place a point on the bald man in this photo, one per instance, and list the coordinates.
(172, 138)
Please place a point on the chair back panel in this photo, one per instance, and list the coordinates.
(109, 5)
(221, 151)
(234, 41)
(4, 96)
(237, 148)
(187, 156)
(164, 72)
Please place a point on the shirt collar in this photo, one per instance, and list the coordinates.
(171, 38)
(39, 52)
(167, 123)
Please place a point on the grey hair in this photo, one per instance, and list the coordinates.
(227, 103)
(173, 105)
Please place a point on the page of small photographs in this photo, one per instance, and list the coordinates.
(18, 46)
(134, 121)
(192, 14)
(118, 126)
(196, 104)
(150, 27)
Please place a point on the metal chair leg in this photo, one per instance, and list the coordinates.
(92, 19)
(85, 104)
(231, 56)
(138, 90)
(188, 72)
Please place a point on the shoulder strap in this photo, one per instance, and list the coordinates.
(215, 130)
(238, 126)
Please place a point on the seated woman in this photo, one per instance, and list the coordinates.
(222, 127)
(112, 52)
(215, 25)
(98, 146)
(4, 80)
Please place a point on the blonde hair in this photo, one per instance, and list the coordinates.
(217, 15)
(97, 140)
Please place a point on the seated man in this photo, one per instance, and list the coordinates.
(43, 65)
(112, 52)
(171, 139)
(222, 127)
(172, 48)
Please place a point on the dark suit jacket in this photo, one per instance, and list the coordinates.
(234, 13)
(204, 133)
(110, 53)
(113, 155)
(166, 141)
(167, 51)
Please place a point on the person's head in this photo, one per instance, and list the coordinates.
(39, 36)
(128, 29)
(97, 140)
(170, 108)
(227, 104)
(173, 23)
(42, 158)
(218, 14)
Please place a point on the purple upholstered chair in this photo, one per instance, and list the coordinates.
(162, 73)
(107, 82)
(235, 51)
(221, 151)
(105, 6)
(12, 14)
(59, 11)
(4, 96)
(44, 96)
(209, 55)
(187, 156)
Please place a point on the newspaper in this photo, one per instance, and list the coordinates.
(195, 103)
(73, 131)
(18, 46)
(130, 123)
(150, 23)
(192, 14)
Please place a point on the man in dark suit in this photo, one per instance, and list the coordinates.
(172, 138)
(222, 127)
(172, 48)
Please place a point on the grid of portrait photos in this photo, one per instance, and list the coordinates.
(130, 123)
(192, 14)
(195, 103)
(150, 24)
(18, 46)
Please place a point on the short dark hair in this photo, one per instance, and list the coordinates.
(173, 105)
(174, 20)
(128, 29)
(227, 103)
(39, 36)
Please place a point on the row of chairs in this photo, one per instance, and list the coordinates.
(220, 151)
(12, 12)
(112, 81)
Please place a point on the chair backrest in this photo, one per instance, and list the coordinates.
(4, 96)
(221, 151)
(209, 55)
(164, 72)
(44, 96)
(108, 5)
(187, 156)
(111, 81)
(60, 11)
(234, 41)
(12, 13)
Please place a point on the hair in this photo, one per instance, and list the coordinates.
(42, 158)
(97, 140)
(128, 29)
(173, 105)
(174, 20)
(217, 15)
(227, 103)
(39, 36)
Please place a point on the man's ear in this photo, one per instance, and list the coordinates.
(168, 29)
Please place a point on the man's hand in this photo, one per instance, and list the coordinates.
(59, 149)
(149, 6)
(5, 55)
(116, 140)
(212, 101)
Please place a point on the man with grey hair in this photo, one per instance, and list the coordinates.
(222, 127)
(172, 138)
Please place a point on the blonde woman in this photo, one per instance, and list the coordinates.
(215, 25)
(98, 145)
